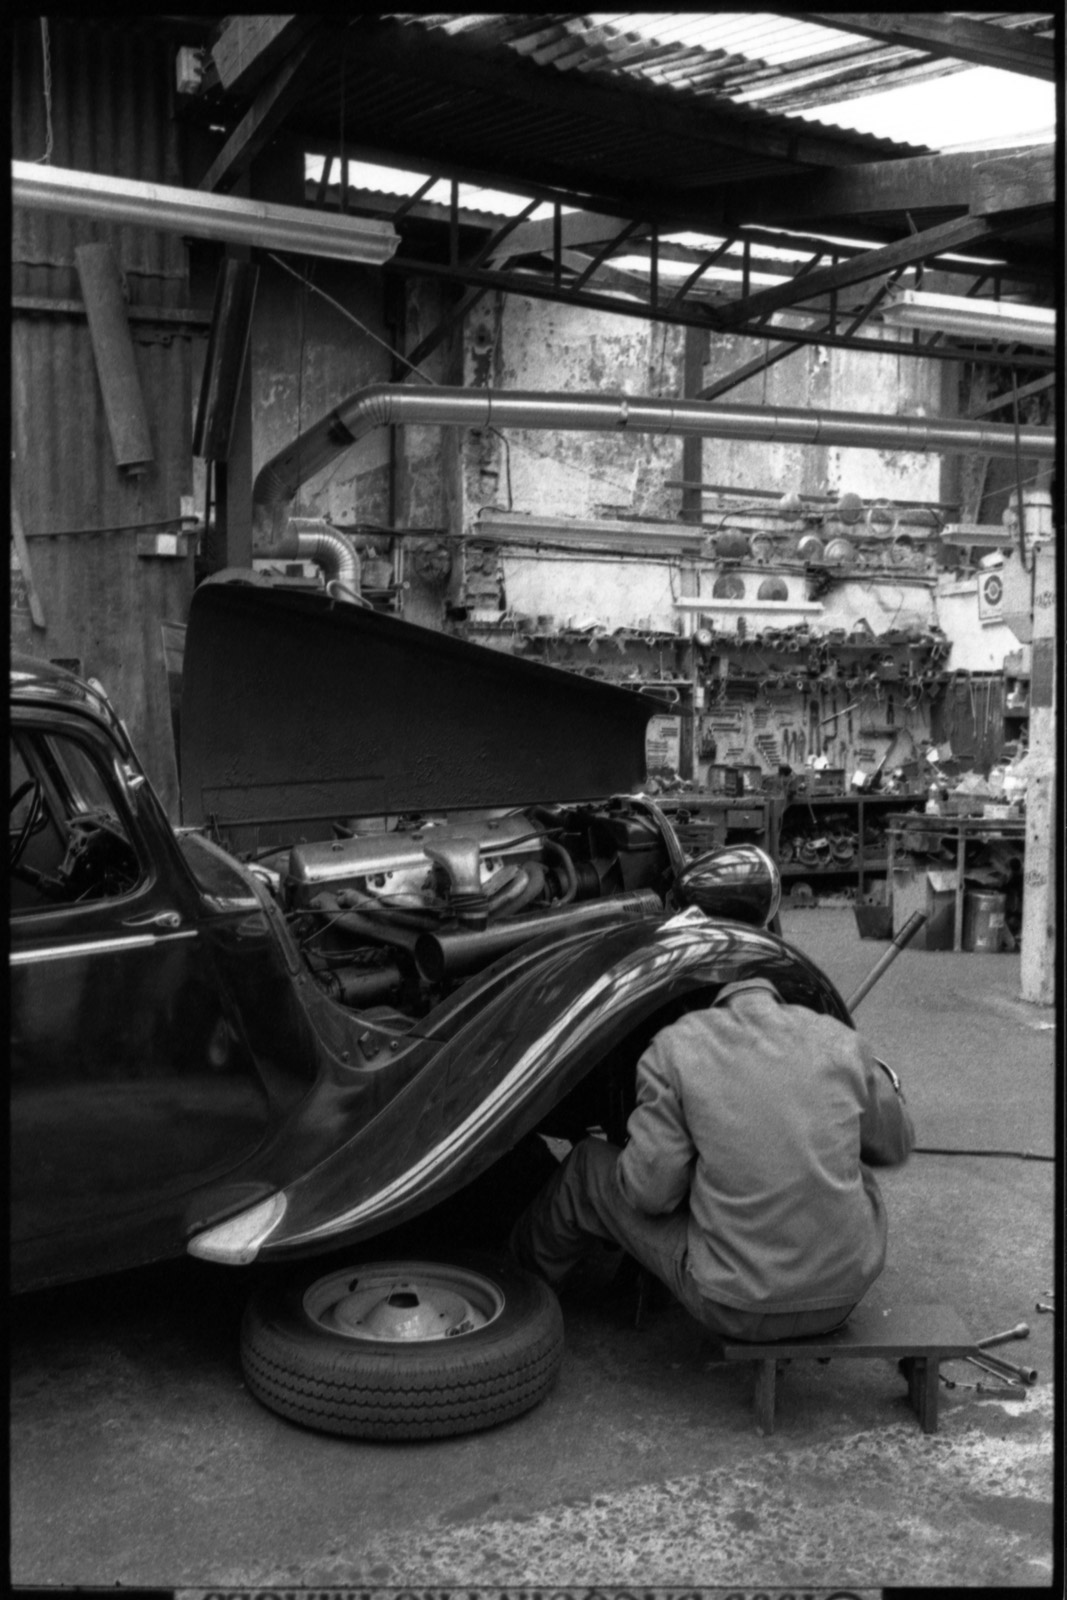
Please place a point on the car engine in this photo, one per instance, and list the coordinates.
(398, 914)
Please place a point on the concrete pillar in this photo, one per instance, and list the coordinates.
(1039, 866)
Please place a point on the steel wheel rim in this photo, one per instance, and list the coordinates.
(403, 1302)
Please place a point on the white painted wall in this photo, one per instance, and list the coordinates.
(576, 591)
(817, 378)
(569, 349)
(978, 645)
(884, 604)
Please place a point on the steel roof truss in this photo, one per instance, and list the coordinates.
(705, 265)
(870, 264)
(604, 253)
(779, 352)
(688, 314)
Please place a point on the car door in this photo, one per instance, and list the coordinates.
(130, 1087)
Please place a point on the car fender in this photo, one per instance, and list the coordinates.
(500, 1071)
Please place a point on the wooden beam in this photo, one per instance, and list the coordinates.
(945, 33)
(259, 124)
(917, 183)
(871, 264)
(1015, 182)
(248, 47)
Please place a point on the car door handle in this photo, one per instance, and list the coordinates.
(156, 919)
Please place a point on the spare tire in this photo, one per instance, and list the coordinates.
(404, 1349)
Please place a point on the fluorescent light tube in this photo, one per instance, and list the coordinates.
(202, 215)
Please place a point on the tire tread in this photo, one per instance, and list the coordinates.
(340, 1387)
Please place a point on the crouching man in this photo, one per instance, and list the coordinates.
(745, 1183)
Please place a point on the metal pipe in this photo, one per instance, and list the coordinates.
(373, 927)
(387, 405)
(309, 539)
(451, 954)
(904, 937)
(353, 987)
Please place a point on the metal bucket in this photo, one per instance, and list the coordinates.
(983, 922)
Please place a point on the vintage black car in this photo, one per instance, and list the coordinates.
(417, 911)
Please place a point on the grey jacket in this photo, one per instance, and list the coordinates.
(765, 1119)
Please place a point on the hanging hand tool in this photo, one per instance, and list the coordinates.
(835, 713)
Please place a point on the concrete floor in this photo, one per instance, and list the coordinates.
(138, 1457)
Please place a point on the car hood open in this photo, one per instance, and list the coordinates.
(297, 708)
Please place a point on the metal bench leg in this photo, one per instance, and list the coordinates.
(766, 1376)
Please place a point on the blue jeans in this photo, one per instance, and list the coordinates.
(581, 1210)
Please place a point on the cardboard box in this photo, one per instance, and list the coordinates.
(932, 892)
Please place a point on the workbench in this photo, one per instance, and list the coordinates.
(963, 831)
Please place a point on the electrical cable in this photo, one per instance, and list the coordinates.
(158, 524)
(1020, 1155)
(351, 317)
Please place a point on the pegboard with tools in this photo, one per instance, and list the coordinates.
(848, 702)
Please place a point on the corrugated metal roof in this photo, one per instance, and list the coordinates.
(711, 57)
(782, 64)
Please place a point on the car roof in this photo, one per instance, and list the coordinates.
(41, 683)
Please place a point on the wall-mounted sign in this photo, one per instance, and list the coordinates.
(990, 597)
(663, 743)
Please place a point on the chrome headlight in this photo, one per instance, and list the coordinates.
(739, 883)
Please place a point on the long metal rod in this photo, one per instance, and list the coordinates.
(904, 937)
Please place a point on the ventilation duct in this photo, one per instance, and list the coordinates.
(385, 405)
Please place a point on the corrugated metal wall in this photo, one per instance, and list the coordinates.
(104, 605)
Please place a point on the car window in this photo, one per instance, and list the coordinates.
(68, 842)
